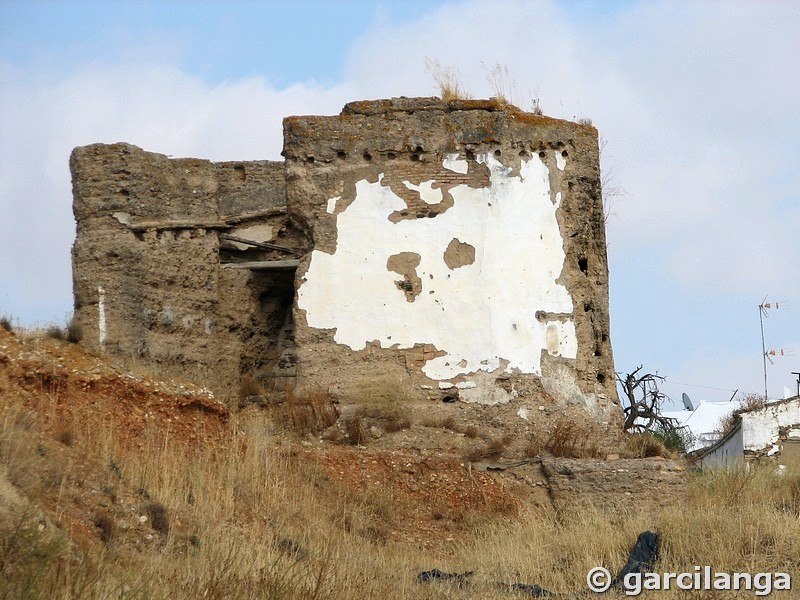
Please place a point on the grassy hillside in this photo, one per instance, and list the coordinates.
(117, 485)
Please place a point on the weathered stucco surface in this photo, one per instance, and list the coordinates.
(497, 292)
(149, 273)
(451, 250)
(455, 246)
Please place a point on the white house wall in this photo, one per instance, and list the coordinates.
(761, 427)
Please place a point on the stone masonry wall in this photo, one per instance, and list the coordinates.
(451, 250)
(458, 248)
(148, 279)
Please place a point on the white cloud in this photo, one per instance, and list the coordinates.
(154, 106)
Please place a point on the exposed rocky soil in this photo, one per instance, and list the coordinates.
(440, 471)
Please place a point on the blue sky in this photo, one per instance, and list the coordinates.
(697, 103)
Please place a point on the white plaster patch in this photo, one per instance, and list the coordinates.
(561, 162)
(332, 204)
(524, 412)
(481, 315)
(426, 192)
(101, 316)
(452, 163)
(122, 217)
(466, 385)
(774, 450)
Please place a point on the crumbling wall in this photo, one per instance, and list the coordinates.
(149, 272)
(458, 247)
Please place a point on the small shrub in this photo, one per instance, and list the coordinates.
(5, 323)
(356, 430)
(448, 422)
(534, 447)
(678, 440)
(66, 436)
(645, 445)
(249, 386)
(159, 517)
(490, 450)
(471, 432)
(395, 423)
(108, 528)
(310, 412)
(55, 332)
(74, 332)
(746, 403)
(563, 439)
(572, 439)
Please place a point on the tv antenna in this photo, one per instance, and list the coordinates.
(798, 381)
(767, 355)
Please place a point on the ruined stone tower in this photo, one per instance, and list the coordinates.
(454, 248)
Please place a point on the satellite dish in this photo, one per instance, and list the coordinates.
(687, 403)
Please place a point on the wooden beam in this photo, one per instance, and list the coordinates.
(226, 224)
(161, 225)
(265, 245)
(263, 265)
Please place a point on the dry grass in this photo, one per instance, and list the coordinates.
(306, 412)
(250, 520)
(448, 79)
(566, 438)
(503, 84)
(250, 386)
(489, 450)
(645, 445)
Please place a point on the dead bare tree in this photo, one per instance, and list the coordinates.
(644, 401)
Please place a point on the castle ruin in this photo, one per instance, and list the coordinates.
(456, 248)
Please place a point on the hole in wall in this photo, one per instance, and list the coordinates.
(604, 337)
(542, 155)
(570, 185)
(415, 157)
(239, 173)
(601, 378)
(470, 155)
(597, 351)
(418, 149)
(391, 156)
(341, 154)
(565, 154)
(367, 156)
(497, 153)
(268, 349)
(587, 306)
(583, 264)
(449, 398)
(310, 159)
(523, 153)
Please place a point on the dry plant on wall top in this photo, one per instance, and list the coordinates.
(503, 84)
(448, 78)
